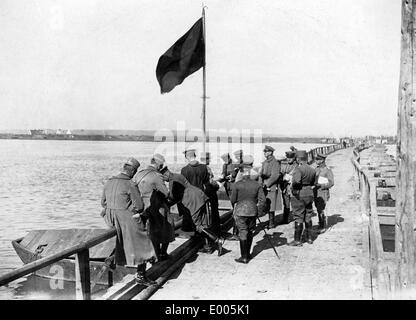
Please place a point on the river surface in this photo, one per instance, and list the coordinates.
(47, 184)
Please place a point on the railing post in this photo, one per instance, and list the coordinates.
(82, 275)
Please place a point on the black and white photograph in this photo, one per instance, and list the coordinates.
(207, 151)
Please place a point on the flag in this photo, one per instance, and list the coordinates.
(186, 56)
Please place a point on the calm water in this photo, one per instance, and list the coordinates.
(49, 184)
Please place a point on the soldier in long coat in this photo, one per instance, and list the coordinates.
(270, 177)
(154, 193)
(211, 189)
(287, 170)
(192, 200)
(325, 181)
(122, 205)
(198, 175)
(303, 183)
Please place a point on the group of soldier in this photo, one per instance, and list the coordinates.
(137, 203)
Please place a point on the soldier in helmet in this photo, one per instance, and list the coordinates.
(303, 182)
(325, 181)
(270, 178)
(248, 199)
(285, 185)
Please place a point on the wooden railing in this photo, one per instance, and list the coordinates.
(323, 150)
(82, 264)
(380, 276)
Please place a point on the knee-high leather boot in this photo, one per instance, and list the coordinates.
(244, 253)
(308, 226)
(249, 242)
(271, 220)
(286, 212)
(213, 237)
(298, 233)
(322, 222)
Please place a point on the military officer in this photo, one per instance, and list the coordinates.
(325, 181)
(154, 193)
(197, 175)
(303, 183)
(238, 169)
(123, 206)
(285, 185)
(248, 199)
(227, 171)
(270, 176)
(211, 189)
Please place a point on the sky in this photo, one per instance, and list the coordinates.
(286, 67)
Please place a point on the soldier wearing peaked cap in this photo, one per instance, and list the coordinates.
(227, 171)
(198, 175)
(247, 198)
(211, 189)
(123, 206)
(325, 181)
(285, 184)
(270, 176)
(303, 182)
(236, 175)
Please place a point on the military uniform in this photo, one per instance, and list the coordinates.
(303, 182)
(226, 173)
(198, 175)
(161, 224)
(287, 170)
(270, 178)
(248, 198)
(121, 200)
(211, 189)
(321, 192)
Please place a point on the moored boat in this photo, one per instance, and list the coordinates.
(41, 243)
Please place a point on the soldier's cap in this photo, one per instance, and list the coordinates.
(132, 162)
(293, 148)
(320, 156)
(238, 153)
(225, 157)
(205, 156)
(158, 158)
(301, 155)
(190, 152)
(268, 148)
(247, 160)
(290, 154)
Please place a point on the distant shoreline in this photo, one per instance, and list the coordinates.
(150, 138)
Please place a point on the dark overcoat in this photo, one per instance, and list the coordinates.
(121, 200)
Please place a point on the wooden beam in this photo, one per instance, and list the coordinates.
(406, 154)
(82, 275)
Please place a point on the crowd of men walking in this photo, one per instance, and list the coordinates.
(137, 203)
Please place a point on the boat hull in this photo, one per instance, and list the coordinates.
(65, 268)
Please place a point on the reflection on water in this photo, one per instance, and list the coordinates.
(58, 184)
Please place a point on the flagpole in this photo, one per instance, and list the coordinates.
(204, 83)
